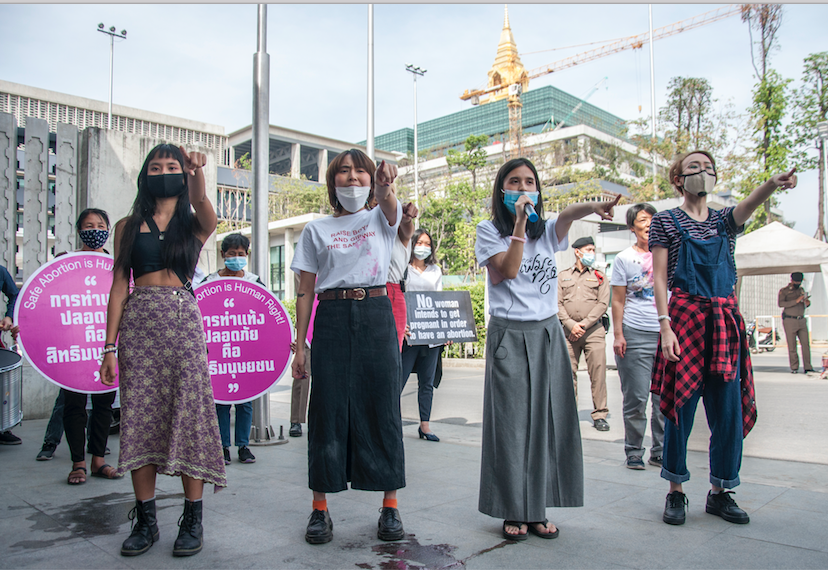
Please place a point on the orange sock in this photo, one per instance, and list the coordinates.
(320, 505)
(389, 503)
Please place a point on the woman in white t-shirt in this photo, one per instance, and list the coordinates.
(531, 452)
(354, 423)
(424, 274)
(636, 328)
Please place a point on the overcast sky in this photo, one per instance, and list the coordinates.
(196, 61)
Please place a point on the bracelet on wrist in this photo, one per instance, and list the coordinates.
(516, 238)
(108, 349)
(664, 318)
(109, 344)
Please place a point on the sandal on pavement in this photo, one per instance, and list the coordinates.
(519, 536)
(77, 473)
(534, 529)
(102, 473)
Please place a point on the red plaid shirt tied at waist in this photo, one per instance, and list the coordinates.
(675, 382)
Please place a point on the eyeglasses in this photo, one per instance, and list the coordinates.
(695, 169)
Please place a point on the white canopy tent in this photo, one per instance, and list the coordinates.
(776, 249)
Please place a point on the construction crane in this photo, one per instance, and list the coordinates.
(515, 86)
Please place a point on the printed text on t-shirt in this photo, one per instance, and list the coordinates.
(348, 238)
(543, 271)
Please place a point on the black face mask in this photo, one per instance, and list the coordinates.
(166, 185)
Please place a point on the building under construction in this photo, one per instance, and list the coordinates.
(543, 109)
(505, 110)
(546, 106)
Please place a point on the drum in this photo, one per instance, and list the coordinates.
(11, 389)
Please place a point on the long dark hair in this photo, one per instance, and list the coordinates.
(180, 248)
(501, 216)
(431, 259)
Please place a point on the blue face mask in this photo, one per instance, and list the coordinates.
(235, 263)
(510, 198)
(588, 259)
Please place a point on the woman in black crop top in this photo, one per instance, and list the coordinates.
(168, 419)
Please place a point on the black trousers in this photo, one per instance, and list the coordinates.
(425, 359)
(354, 423)
(74, 422)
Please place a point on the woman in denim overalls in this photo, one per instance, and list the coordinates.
(703, 342)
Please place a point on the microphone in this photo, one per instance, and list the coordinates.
(530, 212)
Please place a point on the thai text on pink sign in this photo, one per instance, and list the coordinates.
(61, 311)
(248, 334)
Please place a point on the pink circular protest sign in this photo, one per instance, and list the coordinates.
(248, 333)
(61, 311)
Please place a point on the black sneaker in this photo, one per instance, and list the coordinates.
(47, 452)
(295, 430)
(601, 425)
(8, 438)
(245, 456)
(674, 509)
(227, 459)
(389, 525)
(723, 505)
(320, 528)
(655, 460)
(635, 462)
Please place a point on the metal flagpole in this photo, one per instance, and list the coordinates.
(369, 145)
(261, 432)
(652, 93)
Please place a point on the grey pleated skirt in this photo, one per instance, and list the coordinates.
(531, 456)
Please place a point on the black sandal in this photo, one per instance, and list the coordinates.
(517, 537)
(72, 476)
(534, 530)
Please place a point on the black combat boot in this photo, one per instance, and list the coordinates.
(144, 529)
(190, 531)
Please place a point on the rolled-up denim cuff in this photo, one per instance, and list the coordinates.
(724, 483)
(673, 478)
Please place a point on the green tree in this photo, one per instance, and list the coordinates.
(771, 144)
(473, 158)
(688, 113)
(689, 120)
(765, 19)
(450, 216)
(810, 108)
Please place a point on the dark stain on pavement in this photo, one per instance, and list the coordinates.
(409, 554)
(86, 518)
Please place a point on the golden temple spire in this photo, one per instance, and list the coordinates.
(507, 68)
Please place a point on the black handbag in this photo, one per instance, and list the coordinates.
(605, 320)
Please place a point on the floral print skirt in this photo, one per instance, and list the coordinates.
(168, 416)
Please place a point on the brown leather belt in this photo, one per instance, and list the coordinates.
(793, 317)
(357, 294)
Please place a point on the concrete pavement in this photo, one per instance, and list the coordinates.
(259, 520)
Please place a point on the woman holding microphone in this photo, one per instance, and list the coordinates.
(531, 456)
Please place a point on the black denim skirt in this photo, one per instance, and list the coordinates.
(354, 423)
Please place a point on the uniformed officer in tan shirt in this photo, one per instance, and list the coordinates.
(583, 296)
(793, 300)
